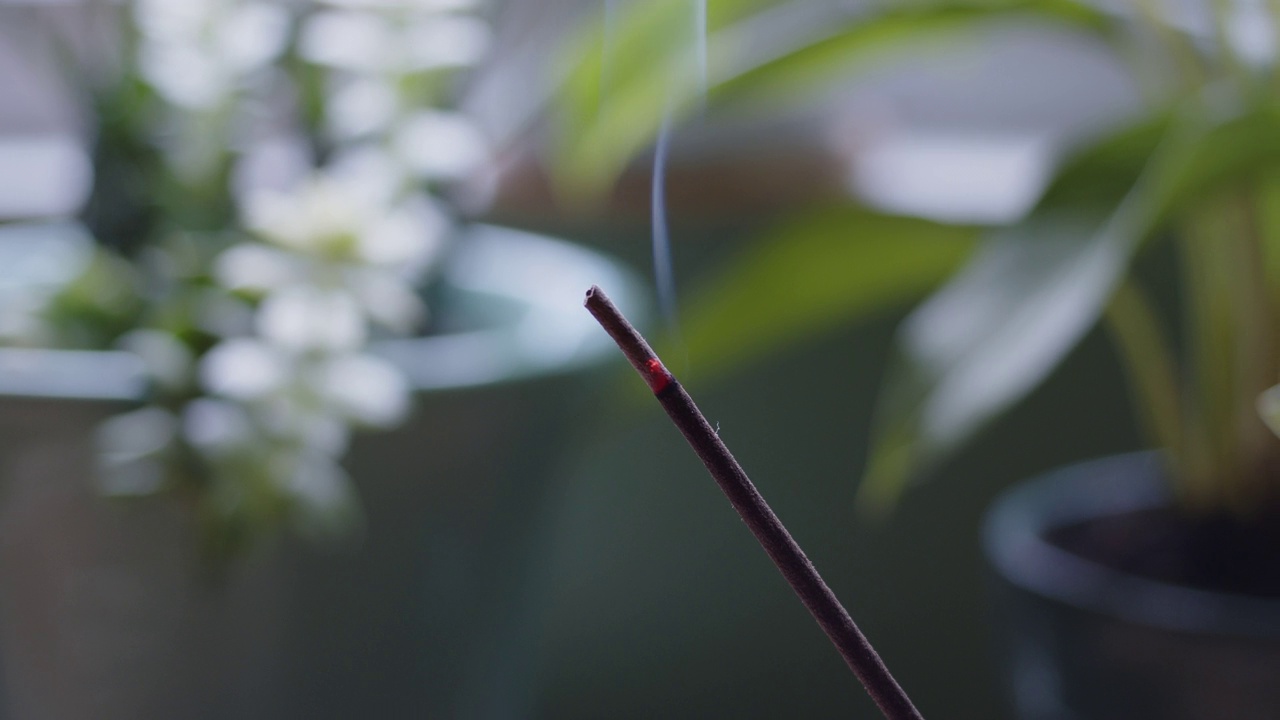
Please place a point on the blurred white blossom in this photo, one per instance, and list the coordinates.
(320, 217)
(351, 40)
(389, 300)
(406, 237)
(438, 145)
(326, 254)
(302, 318)
(243, 369)
(360, 107)
(256, 268)
(369, 169)
(367, 389)
(427, 5)
(371, 42)
(448, 41)
(195, 52)
(217, 426)
(168, 360)
(301, 418)
(339, 220)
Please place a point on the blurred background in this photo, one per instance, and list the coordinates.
(587, 566)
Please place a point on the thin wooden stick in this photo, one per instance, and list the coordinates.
(764, 524)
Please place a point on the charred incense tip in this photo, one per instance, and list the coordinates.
(633, 345)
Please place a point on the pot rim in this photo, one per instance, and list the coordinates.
(1014, 542)
(547, 331)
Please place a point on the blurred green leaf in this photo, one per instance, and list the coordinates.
(99, 305)
(815, 272)
(832, 39)
(1268, 190)
(626, 76)
(998, 329)
(1149, 364)
(988, 337)
(623, 75)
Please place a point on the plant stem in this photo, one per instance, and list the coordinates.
(756, 513)
(1256, 345)
(1211, 341)
(1152, 374)
(1184, 55)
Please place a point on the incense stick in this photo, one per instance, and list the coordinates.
(756, 513)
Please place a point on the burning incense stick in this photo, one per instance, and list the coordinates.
(764, 524)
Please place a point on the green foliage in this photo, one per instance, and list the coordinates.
(98, 306)
(1200, 168)
(626, 74)
(1002, 325)
(818, 271)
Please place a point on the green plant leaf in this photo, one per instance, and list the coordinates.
(623, 73)
(998, 328)
(818, 271)
(820, 47)
(624, 77)
(1152, 372)
(988, 337)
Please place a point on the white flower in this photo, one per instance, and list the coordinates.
(251, 36)
(441, 145)
(319, 217)
(345, 215)
(324, 433)
(172, 20)
(424, 5)
(255, 268)
(274, 163)
(217, 426)
(351, 40)
(389, 299)
(407, 237)
(184, 76)
(194, 52)
(167, 359)
(367, 389)
(368, 171)
(300, 419)
(302, 318)
(360, 107)
(243, 369)
(449, 41)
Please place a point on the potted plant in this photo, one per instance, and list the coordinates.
(1138, 586)
(268, 263)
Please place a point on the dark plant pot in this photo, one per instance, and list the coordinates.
(105, 611)
(1083, 639)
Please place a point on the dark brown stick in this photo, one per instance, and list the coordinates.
(764, 524)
